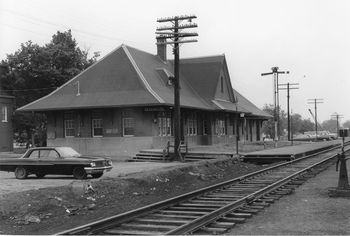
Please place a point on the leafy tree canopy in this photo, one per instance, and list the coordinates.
(298, 124)
(33, 71)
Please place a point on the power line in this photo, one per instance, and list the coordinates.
(73, 28)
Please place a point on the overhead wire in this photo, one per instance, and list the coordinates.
(41, 21)
(25, 90)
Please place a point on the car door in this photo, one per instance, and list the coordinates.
(49, 159)
(32, 161)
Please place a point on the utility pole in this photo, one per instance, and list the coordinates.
(175, 36)
(291, 127)
(237, 127)
(337, 116)
(315, 101)
(275, 73)
(288, 97)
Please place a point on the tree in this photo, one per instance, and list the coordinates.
(330, 125)
(268, 126)
(34, 71)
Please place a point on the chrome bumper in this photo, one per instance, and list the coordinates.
(92, 170)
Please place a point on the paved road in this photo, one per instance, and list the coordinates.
(9, 184)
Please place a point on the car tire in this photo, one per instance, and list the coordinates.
(21, 172)
(79, 173)
(97, 175)
(40, 175)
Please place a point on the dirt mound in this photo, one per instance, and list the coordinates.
(51, 210)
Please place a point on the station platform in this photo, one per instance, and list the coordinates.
(288, 153)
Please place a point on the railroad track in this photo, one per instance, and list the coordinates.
(215, 209)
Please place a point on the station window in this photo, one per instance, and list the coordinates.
(4, 114)
(69, 130)
(128, 126)
(220, 127)
(97, 128)
(164, 126)
(205, 127)
(192, 125)
(69, 124)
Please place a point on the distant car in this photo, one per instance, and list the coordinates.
(303, 137)
(43, 161)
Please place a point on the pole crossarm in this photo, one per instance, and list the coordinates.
(179, 41)
(173, 35)
(173, 18)
(287, 88)
(185, 26)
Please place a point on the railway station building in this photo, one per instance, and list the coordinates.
(124, 103)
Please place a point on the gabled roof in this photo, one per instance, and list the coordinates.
(131, 77)
(246, 106)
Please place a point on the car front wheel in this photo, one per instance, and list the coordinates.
(79, 173)
(21, 172)
(97, 175)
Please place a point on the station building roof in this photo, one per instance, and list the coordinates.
(131, 77)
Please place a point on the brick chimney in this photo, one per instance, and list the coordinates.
(161, 49)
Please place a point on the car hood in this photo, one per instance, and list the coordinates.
(91, 158)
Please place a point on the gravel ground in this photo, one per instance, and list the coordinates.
(9, 184)
(309, 211)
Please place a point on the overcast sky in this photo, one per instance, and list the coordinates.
(309, 38)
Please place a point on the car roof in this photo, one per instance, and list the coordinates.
(51, 147)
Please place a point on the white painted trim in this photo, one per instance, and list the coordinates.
(142, 77)
(218, 104)
(223, 100)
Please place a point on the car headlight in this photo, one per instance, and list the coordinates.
(93, 164)
(109, 162)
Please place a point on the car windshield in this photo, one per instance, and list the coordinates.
(68, 152)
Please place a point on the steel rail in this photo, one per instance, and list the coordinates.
(101, 225)
(212, 216)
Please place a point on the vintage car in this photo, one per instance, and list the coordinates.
(43, 161)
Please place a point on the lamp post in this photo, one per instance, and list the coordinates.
(237, 127)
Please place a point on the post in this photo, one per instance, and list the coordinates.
(316, 119)
(288, 102)
(291, 128)
(237, 126)
(315, 101)
(237, 132)
(288, 118)
(172, 32)
(275, 73)
(275, 105)
(177, 115)
(343, 189)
